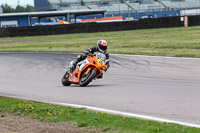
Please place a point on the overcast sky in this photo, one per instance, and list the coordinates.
(14, 3)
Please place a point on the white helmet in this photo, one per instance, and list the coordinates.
(102, 45)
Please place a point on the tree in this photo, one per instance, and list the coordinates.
(7, 9)
(19, 9)
(29, 8)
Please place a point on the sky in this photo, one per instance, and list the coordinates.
(14, 3)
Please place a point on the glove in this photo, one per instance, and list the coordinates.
(86, 52)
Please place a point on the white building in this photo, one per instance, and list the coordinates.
(1, 10)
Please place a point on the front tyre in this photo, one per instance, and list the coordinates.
(87, 79)
(65, 79)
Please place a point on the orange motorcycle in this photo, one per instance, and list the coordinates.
(87, 70)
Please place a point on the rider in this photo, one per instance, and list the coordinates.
(101, 47)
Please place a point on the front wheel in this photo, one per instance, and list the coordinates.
(88, 78)
(65, 79)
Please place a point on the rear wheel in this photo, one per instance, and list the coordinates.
(85, 80)
(65, 79)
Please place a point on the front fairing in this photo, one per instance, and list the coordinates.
(101, 58)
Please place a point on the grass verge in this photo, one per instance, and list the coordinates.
(85, 118)
(181, 42)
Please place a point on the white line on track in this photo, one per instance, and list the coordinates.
(107, 111)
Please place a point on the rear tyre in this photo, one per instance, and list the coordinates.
(86, 80)
(65, 79)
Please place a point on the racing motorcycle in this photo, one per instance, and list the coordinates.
(85, 71)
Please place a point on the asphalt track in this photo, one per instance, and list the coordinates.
(162, 87)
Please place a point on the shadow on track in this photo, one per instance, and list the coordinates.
(91, 86)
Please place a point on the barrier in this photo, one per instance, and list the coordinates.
(91, 27)
(193, 20)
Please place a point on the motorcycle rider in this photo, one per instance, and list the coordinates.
(101, 47)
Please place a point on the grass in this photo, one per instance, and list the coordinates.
(85, 118)
(178, 42)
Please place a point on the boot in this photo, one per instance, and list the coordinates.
(72, 66)
(75, 63)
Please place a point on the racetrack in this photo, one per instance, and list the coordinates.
(161, 87)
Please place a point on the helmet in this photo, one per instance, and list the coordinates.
(102, 45)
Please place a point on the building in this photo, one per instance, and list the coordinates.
(1, 10)
(30, 18)
(116, 5)
(129, 9)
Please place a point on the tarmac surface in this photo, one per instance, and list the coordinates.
(163, 87)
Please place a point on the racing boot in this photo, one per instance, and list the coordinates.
(72, 66)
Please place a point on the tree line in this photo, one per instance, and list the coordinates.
(8, 9)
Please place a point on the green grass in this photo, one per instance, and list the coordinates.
(85, 118)
(181, 42)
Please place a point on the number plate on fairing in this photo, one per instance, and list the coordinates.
(101, 59)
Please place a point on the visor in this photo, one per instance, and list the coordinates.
(104, 48)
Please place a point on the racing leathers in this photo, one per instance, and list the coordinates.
(92, 51)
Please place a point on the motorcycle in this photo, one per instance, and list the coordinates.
(85, 71)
